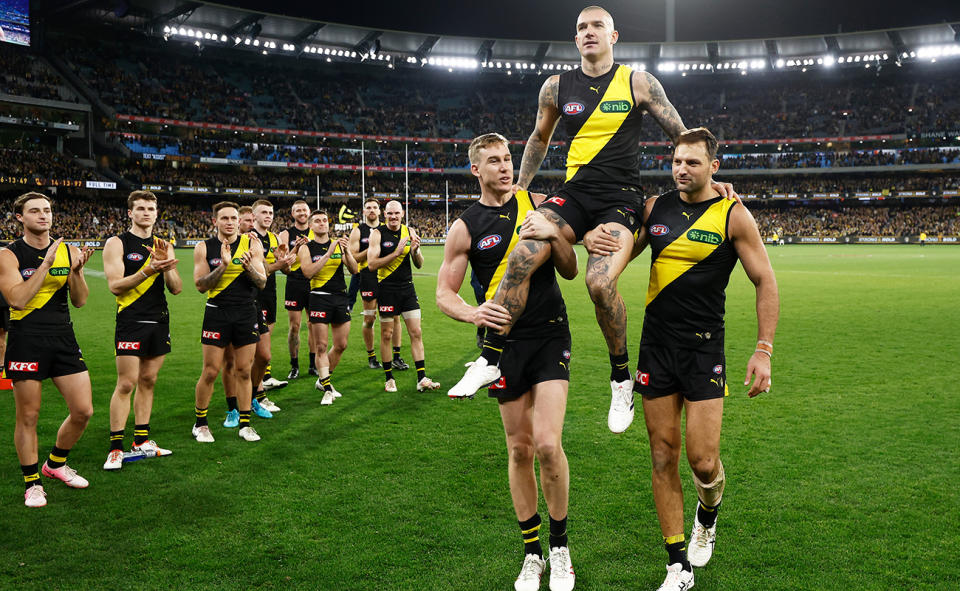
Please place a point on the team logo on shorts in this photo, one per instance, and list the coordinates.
(216, 262)
(209, 334)
(31, 366)
(566, 354)
(386, 308)
(387, 244)
(128, 345)
(718, 369)
(659, 230)
(557, 200)
(135, 256)
(315, 314)
(489, 242)
(573, 108)
(500, 384)
(643, 378)
(289, 302)
(26, 273)
(366, 294)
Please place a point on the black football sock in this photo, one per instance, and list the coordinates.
(231, 403)
(201, 414)
(244, 418)
(116, 440)
(421, 369)
(31, 477)
(558, 532)
(493, 345)
(57, 457)
(677, 551)
(707, 516)
(618, 368)
(530, 532)
(141, 433)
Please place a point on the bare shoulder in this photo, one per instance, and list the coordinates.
(549, 91)
(646, 87)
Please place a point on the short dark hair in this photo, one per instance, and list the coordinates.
(140, 196)
(698, 135)
(21, 201)
(369, 199)
(319, 212)
(223, 205)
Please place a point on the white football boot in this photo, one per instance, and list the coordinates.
(478, 375)
(530, 573)
(621, 406)
(677, 579)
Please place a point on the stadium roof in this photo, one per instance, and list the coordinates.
(260, 31)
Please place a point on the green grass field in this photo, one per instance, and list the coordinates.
(842, 477)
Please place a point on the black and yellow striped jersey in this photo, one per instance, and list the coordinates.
(602, 120)
(270, 243)
(145, 301)
(398, 272)
(329, 279)
(493, 236)
(292, 234)
(47, 312)
(365, 241)
(692, 258)
(235, 288)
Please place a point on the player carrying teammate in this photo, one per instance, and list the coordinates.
(392, 246)
(532, 390)
(601, 105)
(229, 269)
(696, 238)
(36, 274)
(138, 266)
(322, 260)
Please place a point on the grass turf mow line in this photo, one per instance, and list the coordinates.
(837, 476)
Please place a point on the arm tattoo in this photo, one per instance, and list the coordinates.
(210, 279)
(661, 110)
(536, 149)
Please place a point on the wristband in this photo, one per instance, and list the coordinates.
(145, 276)
(765, 352)
(765, 347)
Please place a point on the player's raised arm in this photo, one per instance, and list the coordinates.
(456, 252)
(753, 256)
(79, 290)
(652, 99)
(547, 117)
(416, 255)
(203, 277)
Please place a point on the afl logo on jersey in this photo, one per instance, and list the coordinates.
(317, 257)
(365, 240)
(27, 273)
(135, 256)
(659, 230)
(489, 242)
(216, 262)
(388, 244)
(573, 108)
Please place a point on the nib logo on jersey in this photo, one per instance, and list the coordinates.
(28, 366)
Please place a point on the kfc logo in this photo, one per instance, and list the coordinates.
(289, 302)
(489, 242)
(135, 257)
(557, 201)
(314, 314)
(209, 334)
(32, 366)
(366, 294)
(659, 230)
(643, 378)
(386, 309)
(500, 384)
(128, 346)
(573, 108)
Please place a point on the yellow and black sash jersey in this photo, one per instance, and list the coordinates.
(398, 272)
(493, 236)
(692, 258)
(47, 312)
(602, 120)
(365, 241)
(270, 243)
(235, 288)
(329, 279)
(145, 301)
(292, 234)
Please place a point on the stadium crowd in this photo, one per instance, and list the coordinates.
(43, 164)
(160, 80)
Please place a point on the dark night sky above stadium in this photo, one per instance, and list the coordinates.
(637, 20)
